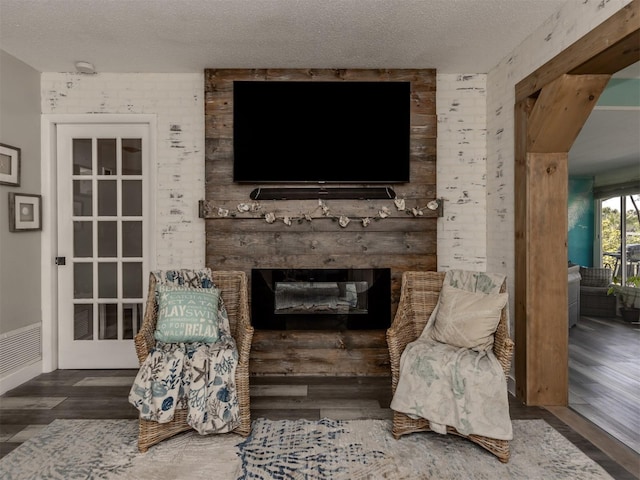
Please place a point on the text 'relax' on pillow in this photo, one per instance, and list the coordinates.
(468, 319)
(187, 314)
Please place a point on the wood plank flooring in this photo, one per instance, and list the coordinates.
(102, 394)
(604, 376)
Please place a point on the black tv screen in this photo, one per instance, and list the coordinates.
(321, 132)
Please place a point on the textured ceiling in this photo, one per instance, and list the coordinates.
(454, 36)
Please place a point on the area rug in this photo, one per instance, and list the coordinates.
(292, 450)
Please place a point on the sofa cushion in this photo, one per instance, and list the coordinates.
(595, 277)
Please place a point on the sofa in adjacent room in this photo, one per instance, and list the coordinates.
(594, 299)
(573, 291)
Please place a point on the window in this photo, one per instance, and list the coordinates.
(620, 235)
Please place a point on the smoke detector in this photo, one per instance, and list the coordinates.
(85, 67)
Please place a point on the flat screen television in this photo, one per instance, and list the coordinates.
(321, 132)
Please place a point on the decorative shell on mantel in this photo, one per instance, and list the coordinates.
(384, 212)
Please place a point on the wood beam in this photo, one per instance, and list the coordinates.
(522, 111)
(541, 316)
(617, 36)
(546, 297)
(541, 303)
(545, 130)
(615, 58)
(561, 110)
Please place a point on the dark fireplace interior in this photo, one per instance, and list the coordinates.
(321, 299)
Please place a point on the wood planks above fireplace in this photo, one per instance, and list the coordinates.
(245, 241)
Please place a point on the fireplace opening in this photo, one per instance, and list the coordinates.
(321, 299)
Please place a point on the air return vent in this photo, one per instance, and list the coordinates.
(20, 348)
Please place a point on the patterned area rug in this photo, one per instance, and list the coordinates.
(295, 450)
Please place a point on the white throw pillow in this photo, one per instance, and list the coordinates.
(468, 319)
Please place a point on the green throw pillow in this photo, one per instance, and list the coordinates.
(187, 314)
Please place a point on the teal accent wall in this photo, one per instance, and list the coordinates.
(621, 92)
(580, 221)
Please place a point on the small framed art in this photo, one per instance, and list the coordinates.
(25, 212)
(9, 165)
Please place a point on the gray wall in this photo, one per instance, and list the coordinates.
(20, 251)
(623, 175)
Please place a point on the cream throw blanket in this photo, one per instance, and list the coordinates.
(454, 386)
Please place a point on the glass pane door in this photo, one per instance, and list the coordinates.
(102, 202)
(621, 237)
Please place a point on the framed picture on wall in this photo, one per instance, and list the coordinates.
(9, 165)
(25, 212)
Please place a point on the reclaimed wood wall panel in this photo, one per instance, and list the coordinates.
(247, 224)
(421, 187)
(338, 243)
(397, 263)
(244, 240)
(346, 353)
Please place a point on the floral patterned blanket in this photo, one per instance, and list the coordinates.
(436, 379)
(197, 376)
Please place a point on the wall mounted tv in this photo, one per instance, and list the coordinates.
(321, 132)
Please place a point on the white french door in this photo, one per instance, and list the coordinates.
(103, 208)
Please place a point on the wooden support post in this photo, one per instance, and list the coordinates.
(546, 127)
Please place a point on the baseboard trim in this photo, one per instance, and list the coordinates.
(618, 451)
(18, 377)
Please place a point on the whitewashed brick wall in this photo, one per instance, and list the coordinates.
(177, 101)
(573, 21)
(461, 171)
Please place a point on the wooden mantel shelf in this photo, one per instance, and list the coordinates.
(311, 209)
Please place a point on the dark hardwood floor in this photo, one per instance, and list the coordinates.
(604, 376)
(102, 394)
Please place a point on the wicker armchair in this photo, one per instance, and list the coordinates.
(418, 297)
(234, 292)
